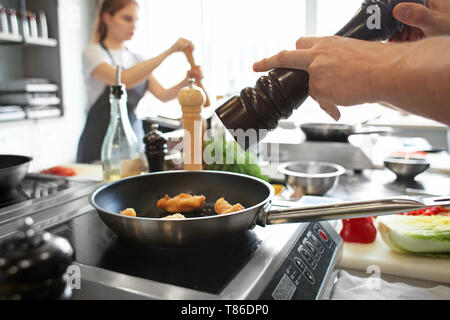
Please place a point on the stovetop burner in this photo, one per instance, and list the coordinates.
(206, 268)
(11, 197)
(33, 187)
(252, 265)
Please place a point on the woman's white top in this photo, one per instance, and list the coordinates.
(93, 56)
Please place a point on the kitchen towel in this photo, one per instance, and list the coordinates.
(349, 287)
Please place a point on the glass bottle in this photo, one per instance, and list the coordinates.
(121, 153)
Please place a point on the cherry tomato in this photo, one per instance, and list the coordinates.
(431, 211)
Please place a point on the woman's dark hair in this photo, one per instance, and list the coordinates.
(111, 7)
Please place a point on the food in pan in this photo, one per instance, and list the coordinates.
(129, 212)
(176, 216)
(223, 207)
(182, 203)
(186, 203)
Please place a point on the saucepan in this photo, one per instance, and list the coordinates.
(13, 170)
(142, 193)
(336, 132)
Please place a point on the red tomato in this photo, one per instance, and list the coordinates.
(359, 230)
(60, 171)
(431, 211)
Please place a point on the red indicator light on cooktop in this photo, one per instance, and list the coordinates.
(323, 235)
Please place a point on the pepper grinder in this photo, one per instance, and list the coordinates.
(155, 149)
(192, 100)
(189, 52)
(33, 266)
(258, 110)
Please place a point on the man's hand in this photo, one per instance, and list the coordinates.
(343, 72)
(422, 21)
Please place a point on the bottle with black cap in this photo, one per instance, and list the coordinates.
(250, 116)
(33, 266)
(121, 153)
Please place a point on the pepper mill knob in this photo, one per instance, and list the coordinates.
(192, 100)
(33, 265)
(192, 95)
(155, 149)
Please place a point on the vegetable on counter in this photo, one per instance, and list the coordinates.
(60, 171)
(416, 234)
(229, 156)
(432, 211)
(278, 188)
(359, 230)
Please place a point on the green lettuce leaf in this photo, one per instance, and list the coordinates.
(229, 156)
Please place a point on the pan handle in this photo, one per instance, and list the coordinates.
(347, 210)
(373, 131)
(437, 201)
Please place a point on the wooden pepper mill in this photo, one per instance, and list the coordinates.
(192, 100)
(189, 52)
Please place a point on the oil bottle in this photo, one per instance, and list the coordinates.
(121, 153)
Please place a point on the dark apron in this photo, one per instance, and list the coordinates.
(90, 144)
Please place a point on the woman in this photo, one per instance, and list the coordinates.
(116, 25)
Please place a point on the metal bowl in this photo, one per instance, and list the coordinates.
(406, 168)
(13, 170)
(310, 177)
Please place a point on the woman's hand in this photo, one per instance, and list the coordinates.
(343, 72)
(422, 22)
(181, 45)
(195, 73)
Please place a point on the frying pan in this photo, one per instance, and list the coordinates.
(143, 192)
(13, 170)
(335, 132)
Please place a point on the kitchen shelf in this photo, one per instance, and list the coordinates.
(12, 114)
(30, 115)
(41, 42)
(10, 39)
(7, 39)
(36, 56)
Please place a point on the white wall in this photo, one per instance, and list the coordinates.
(54, 141)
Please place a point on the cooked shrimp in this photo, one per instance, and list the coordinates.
(176, 216)
(129, 212)
(223, 207)
(182, 203)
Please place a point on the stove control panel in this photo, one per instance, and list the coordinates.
(306, 267)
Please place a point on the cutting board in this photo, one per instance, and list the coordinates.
(361, 256)
(87, 171)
